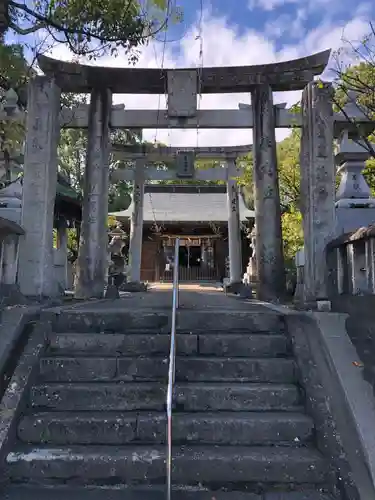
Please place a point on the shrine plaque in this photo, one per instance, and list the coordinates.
(182, 93)
(185, 164)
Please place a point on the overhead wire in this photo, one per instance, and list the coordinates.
(162, 76)
(200, 64)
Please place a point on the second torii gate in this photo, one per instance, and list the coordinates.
(228, 171)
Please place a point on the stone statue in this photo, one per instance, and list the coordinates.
(253, 258)
(116, 247)
(253, 240)
(251, 271)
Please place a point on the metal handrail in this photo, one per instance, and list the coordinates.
(172, 368)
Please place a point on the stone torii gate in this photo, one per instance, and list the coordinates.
(45, 118)
(228, 171)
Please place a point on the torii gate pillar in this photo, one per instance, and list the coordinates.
(234, 228)
(92, 258)
(136, 224)
(269, 249)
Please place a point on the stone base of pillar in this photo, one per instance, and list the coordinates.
(112, 292)
(298, 294)
(239, 288)
(134, 286)
(323, 305)
(268, 294)
(11, 295)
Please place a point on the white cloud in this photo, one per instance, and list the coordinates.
(292, 25)
(223, 45)
(269, 5)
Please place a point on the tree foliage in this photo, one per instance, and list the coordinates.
(355, 84)
(72, 163)
(89, 27)
(288, 153)
(292, 233)
(13, 75)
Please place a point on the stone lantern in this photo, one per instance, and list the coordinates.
(355, 206)
(11, 192)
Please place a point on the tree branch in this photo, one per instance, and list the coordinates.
(49, 21)
(26, 31)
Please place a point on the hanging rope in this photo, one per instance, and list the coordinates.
(200, 64)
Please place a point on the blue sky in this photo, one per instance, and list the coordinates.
(243, 32)
(285, 22)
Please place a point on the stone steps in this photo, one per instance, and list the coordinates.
(96, 412)
(233, 428)
(148, 344)
(118, 320)
(194, 397)
(192, 465)
(20, 492)
(188, 369)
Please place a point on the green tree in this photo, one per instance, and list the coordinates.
(355, 84)
(72, 163)
(288, 155)
(89, 27)
(12, 131)
(119, 194)
(246, 181)
(292, 234)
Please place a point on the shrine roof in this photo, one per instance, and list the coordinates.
(282, 76)
(9, 227)
(68, 202)
(185, 203)
(65, 190)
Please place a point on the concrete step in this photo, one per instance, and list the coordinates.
(192, 465)
(204, 428)
(119, 320)
(22, 492)
(151, 396)
(132, 344)
(243, 344)
(138, 344)
(202, 369)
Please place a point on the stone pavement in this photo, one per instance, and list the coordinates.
(197, 296)
(26, 493)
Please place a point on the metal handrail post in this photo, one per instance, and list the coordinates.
(172, 368)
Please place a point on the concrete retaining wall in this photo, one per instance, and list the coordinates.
(338, 398)
(360, 325)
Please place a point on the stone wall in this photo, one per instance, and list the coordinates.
(323, 396)
(360, 326)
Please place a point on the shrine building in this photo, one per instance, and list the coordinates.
(198, 215)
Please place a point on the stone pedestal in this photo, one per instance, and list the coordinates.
(36, 277)
(61, 256)
(250, 276)
(300, 265)
(317, 186)
(354, 205)
(136, 225)
(92, 258)
(269, 249)
(252, 267)
(234, 228)
(10, 260)
(370, 265)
